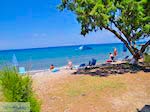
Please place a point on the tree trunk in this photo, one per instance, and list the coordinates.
(134, 51)
(136, 57)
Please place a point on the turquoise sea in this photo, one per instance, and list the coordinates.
(42, 58)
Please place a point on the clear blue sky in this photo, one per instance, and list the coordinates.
(37, 23)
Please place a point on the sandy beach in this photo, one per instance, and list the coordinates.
(64, 92)
(75, 55)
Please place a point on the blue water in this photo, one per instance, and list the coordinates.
(42, 58)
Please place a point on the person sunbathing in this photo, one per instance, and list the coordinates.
(111, 58)
(52, 67)
(69, 66)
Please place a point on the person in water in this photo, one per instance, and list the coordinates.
(52, 67)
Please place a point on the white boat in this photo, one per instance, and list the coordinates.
(84, 48)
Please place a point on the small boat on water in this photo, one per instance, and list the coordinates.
(84, 48)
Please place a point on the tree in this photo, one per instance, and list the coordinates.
(128, 20)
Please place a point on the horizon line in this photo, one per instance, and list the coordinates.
(16, 49)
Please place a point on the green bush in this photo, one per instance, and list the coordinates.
(147, 58)
(17, 88)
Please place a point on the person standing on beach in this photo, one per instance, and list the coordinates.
(115, 53)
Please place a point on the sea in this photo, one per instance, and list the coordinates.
(42, 58)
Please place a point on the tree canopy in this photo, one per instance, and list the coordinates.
(128, 20)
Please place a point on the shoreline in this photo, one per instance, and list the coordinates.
(75, 67)
(62, 68)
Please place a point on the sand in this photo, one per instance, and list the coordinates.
(64, 92)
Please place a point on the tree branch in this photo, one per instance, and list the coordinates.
(124, 33)
(128, 37)
(137, 35)
(121, 38)
(144, 46)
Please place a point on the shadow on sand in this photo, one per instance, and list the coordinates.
(112, 69)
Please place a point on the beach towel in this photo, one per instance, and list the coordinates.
(109, 61)
(55, 70)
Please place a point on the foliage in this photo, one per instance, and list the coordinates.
(17, 88)
(128, 20)
(147, 50)
(147, 58)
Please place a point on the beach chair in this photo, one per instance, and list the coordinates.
(92, 63)
(126, 58)
(80, 68)
(82, 65)
(22, 70)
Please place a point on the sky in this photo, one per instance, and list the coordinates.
(38, 23)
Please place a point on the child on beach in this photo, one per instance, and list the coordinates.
(52, 67)
(111, 56)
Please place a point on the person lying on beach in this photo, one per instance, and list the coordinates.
(52, 67)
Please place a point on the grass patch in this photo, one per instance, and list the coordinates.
(17, 88)
(109, 84)
(147, 58)
(74, 92)
(89, 84)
